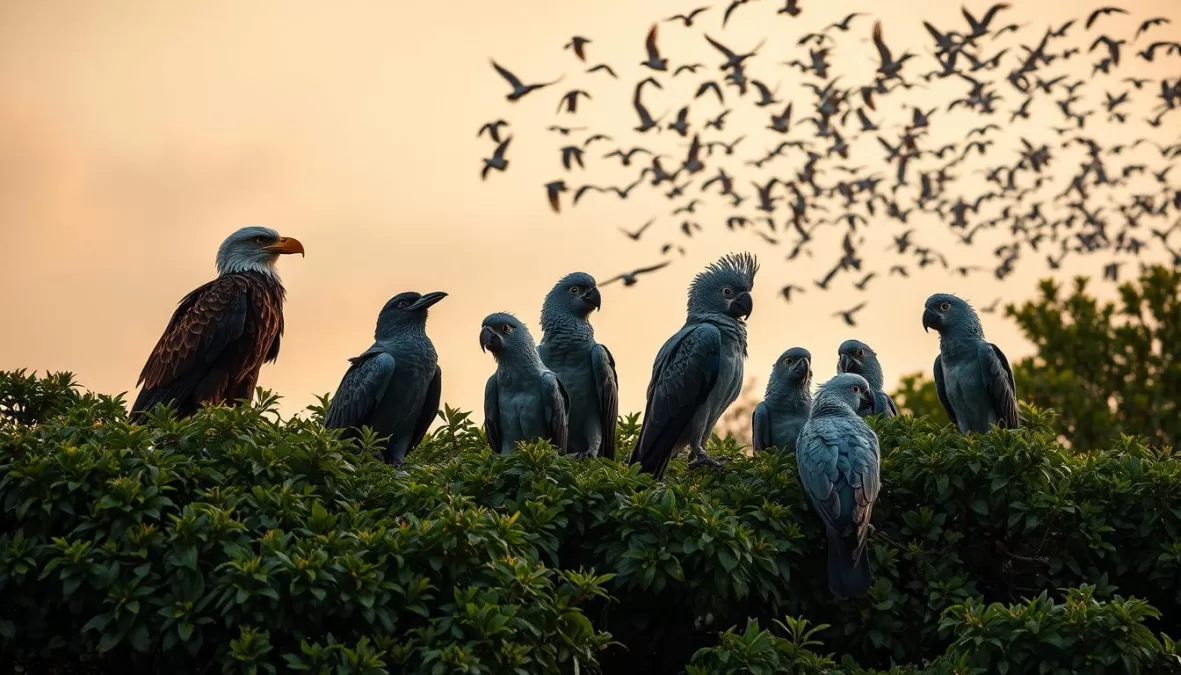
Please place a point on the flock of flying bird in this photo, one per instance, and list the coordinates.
(565, 389)
(1118, 200)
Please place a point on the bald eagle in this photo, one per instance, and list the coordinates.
(221, 333)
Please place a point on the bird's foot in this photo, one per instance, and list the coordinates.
(703, 459)
(583, 455)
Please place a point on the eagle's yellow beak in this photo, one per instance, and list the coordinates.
(285, 246)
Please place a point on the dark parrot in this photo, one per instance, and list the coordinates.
(394, 386)
(221, 333)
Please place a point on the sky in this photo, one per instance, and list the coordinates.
(136, 135)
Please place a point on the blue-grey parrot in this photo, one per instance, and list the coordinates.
(777, 421)
(972, 376)
(854, 356)
(698, 371)
(838, 458)
(583, 366)
(394, 386)
(523, 400)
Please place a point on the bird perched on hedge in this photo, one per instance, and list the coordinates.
(838, 458)
(523, 400)
(584, 367)
(777, 421)
(394, 386)
(221, 333)
(698, 371)
(854, 356)
(972, 376)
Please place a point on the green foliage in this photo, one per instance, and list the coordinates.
(1105, 368)
(246, 543)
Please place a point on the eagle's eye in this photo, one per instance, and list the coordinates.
(260, 239)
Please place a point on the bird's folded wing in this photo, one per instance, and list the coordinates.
(430, 407)
(556, 403)
(607, 386)
(760, 425)
(492, 413)
(816, 458)
(685, 372)
(204, 323)
(362, 387)
(941, 389)
(998, 379)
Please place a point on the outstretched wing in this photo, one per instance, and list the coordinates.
(760, 424)
(556, 404)
(430, 408)
(685, 372)
(998, 380)
(492, 413)
(941, 389)
(361, 389)
(607, 386)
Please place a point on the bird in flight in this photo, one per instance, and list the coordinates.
(630, 278)
(519, 90)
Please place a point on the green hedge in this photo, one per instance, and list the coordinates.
(237, 542)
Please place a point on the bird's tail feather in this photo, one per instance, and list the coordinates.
(847, 578)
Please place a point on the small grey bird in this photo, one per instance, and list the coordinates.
(778, 420)
(698, 371)
(523, 401)
(972, 376)
(854, 356)
(394, 386)
(584, 367)
(839, 463)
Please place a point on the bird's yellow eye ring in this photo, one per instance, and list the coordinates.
(575, 290)
(945, 306)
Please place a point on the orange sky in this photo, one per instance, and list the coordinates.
(135, 135)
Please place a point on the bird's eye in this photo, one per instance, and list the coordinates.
(259, 239)
(506, 328)
(860, 353)
(788, 361)
(402, 304)
(727, 291)
(856, 389)
(575, 290)
(945, 306)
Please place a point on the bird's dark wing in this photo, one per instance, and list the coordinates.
(760, 425)
(430, 408)
(204, 323)
(941, 389)
(492, 413)
(607, 386)
(556, 404)
(361, 389)
(512, 79)
(835, 453)
(998, 379)
(685, 372)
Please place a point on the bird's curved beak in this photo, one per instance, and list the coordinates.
(427, 300)
(802, 367)
(489, 340)
(742, 306)
(930, 320)
(867, 398)
(592, 298)
(285, 246)
(848, 364)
